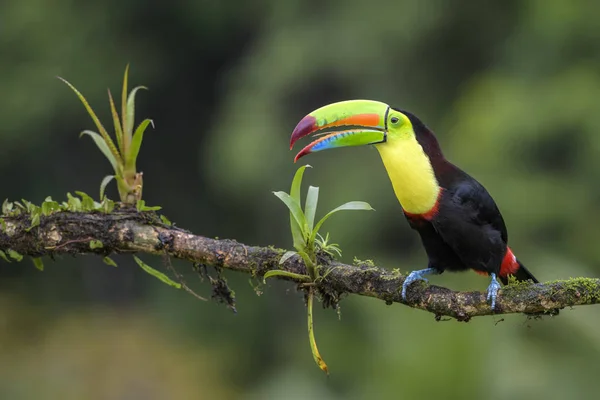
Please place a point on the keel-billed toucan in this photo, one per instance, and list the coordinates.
(459, 223)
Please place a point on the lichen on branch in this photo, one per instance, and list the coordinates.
(133, 231)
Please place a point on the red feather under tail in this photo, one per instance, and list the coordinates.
(512, 266)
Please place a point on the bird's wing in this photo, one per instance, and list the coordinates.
(471, 224)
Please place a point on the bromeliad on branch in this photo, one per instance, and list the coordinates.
(459, 223)
(122, 156)
(307, 242)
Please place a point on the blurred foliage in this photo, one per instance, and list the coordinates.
(510, 88)
(99, 354)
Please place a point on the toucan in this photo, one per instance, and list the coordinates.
(460, 225)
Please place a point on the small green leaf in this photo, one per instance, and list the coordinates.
(3, 224)
(107, 205)
(73, 202)
(103, 185)
(3, 256)
(14, 255)
(329, 248)
(116, 122)
(351, 205)
(136, 143)
(165, 220)
(156, 274)
(297, 183)
(286, 256)
(131, 109)
(291, 275)
(87, 203)
(49, 206)
(6, 207)
(39, 264)
(103, 147)
(35, 220)
(83, 195)
(124, 103)
(140, 205)
(29, 206)
(310, 208)
(295, 210)
(299, 234)
(109, 261)
(109, 143)
(96, 244)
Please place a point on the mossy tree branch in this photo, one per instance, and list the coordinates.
(130, 231)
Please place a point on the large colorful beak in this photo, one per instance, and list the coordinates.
(343, 124)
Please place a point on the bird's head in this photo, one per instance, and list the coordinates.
(352, 123)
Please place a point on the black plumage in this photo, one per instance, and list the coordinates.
(465, 230)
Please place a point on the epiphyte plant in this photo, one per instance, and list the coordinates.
(123, 155)
(308, 242)
(305, 233)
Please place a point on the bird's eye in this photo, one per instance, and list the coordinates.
(394, 120)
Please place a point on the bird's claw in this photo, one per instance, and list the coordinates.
(415, 276)
(492, 291)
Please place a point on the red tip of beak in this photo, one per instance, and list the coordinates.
(303, 152)
(305, 127)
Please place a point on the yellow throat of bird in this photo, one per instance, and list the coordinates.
(411, 173)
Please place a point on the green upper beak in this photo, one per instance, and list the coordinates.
(365, 122)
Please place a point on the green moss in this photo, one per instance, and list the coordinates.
(271, 247)
(572, 289)
(515, 284)
(589, 283)
(369, 270)
(253, 268)
(361, 263)
(394, 275)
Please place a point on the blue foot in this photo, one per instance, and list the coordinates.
(492, 291)
(416, 276)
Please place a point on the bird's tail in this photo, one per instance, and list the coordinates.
(521, 274)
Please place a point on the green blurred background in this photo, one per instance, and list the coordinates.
(510, 87)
